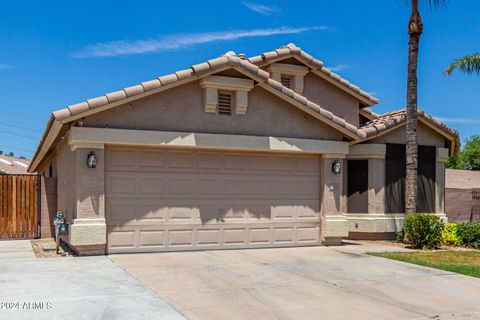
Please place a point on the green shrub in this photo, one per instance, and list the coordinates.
(450, 235)
(401, 235)
(469, 234)
(423, 231)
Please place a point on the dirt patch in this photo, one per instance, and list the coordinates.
(46, 248)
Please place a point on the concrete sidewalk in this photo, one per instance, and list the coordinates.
(304, 283)
(72, 288)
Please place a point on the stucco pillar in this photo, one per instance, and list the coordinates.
(442, 157)
(334, 226)
(376, 186)
(88, 230)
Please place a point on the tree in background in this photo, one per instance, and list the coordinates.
(468, 64)
(469, 157)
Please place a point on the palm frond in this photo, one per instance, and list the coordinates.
(435, 3)
(468, 64)
(432, 4)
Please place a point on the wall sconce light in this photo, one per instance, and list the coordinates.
(91, 160)
(336, 167)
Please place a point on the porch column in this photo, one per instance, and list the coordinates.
(334, 226)
(442, 157)
(88, 230)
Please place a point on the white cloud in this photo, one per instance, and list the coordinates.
(260, 8)
(459, 120)
(373, 93)
(5, 66)
(179, 41)
(340, 67)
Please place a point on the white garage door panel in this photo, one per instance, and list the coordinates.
(174, 200)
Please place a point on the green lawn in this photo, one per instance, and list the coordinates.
(464, 262)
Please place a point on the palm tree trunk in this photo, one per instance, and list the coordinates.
(415, 29)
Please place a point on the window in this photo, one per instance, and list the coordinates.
(225, 103)
(286, 81)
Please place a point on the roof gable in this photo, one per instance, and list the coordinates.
(383, 124)
(291, 51)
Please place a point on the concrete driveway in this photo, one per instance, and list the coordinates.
(303, 283)
(72, 288)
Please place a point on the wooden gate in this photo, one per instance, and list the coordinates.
(19, 206)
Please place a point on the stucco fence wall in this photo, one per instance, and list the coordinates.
(459, 205)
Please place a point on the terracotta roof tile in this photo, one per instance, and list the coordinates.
(287, 91)
(78, 108)
(282, 52)
(168, 79)
(150, 85)
(184, 74)
(61, 114)
(115, 96)
(97, 102)
(218, 62)
(201, 68)
(133, 90)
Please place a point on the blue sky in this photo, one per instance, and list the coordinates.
(56, 53)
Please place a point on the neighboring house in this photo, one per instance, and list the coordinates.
(13, 165)
(274, 150)
(462, 195)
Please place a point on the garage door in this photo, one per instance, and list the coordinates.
(171, 200)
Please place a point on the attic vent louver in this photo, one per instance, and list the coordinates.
(225, 103)
(286, 81)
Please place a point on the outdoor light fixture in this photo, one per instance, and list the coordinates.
(336, 167)
(91, 160)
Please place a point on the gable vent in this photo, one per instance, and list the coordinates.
(286, 81)
(225, 103)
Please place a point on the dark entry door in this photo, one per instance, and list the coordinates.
(357, 173)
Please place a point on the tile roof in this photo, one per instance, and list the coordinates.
(228, 60)
(291, 50)
(13, 165)
(370, 113)
(391, 119)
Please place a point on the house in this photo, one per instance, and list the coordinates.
(236, 152)
(13, 165)
(462, 195)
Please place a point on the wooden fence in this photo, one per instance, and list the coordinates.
(19, 206)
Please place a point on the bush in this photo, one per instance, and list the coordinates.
(401, 235)
(469, 234)
(450, 235)
(423, 231)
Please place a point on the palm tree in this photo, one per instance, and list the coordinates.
(468, 64)
(415, 30)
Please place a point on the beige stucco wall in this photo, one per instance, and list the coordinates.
(331, 98)
(181, 109)
(426, 137)
(90, 189)
(66, 183)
